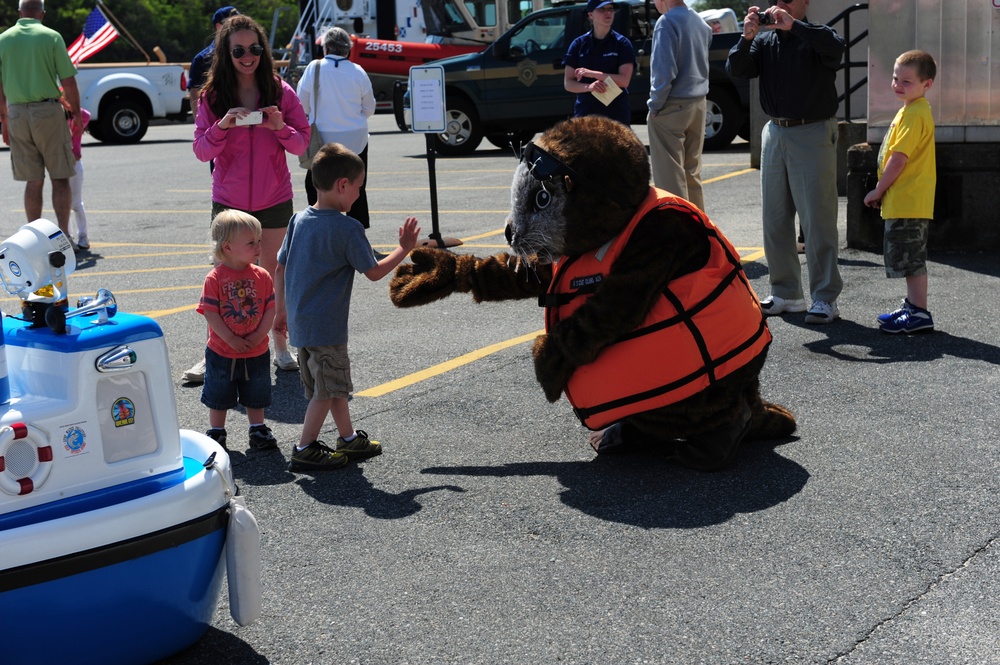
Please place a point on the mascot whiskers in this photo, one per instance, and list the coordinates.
(653, 332)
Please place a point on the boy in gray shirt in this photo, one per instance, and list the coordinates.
(323, 248)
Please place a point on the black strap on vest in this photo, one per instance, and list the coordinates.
(686, 316)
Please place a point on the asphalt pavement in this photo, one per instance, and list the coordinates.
(489, 532)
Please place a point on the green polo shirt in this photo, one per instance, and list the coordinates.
(33, 60)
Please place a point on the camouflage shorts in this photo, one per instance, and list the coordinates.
(905, 247)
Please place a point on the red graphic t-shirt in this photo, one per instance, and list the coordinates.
(240, 297)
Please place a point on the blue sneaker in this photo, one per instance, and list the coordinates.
(915, 320)
(904, 308)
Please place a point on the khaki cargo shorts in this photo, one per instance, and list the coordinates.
(325, 371)
(40, 141)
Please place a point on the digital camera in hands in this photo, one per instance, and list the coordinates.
(252, 118)
(765, 18)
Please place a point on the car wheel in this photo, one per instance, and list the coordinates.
(510, 140)
(723, 119)
(123, 121)
(463, 131)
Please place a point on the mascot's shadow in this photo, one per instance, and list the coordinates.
(644, 490)
(219, 648)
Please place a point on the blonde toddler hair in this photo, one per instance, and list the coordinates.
(226, 225)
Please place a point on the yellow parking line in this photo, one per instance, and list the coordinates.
(728, 175)
(446, 366)
(94, 273)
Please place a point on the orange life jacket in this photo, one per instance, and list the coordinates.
(705, 325)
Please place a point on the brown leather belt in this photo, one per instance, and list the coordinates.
(795, 122)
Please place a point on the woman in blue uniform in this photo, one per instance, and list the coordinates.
(595, 55)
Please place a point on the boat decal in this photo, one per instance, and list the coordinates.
(123, 412)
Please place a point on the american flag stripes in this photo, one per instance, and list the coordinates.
(97, 33)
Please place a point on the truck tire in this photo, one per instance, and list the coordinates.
(123, 121)
(463, 130)
(95, 131)
(723, 119)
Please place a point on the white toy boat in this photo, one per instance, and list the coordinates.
(114, 524)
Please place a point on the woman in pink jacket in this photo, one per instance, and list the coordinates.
(246, 122)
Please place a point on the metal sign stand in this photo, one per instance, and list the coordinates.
(427, 109)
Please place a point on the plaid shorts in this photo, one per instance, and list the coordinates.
(906, 247)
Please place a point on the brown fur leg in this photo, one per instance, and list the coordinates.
(770, 421)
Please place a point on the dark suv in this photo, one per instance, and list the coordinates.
(514, 88)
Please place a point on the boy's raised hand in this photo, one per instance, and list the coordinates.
(408, 234)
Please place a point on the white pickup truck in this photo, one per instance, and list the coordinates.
(123, 97)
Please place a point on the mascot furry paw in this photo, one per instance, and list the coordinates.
(653, 332)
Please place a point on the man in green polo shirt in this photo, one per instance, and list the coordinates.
(33, 64)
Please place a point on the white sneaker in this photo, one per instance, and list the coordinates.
(284, 360)
(83, 243)
(822, 312)
(196, 374)
(772, 305)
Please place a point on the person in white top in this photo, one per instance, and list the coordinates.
(341, 113)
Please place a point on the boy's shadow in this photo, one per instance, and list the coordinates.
(348, 487)
(259, 467)
(886, 348)
(288, 401)
(645, 490)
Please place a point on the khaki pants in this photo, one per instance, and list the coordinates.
(676, 139)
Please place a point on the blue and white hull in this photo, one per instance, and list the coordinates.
(113, 522)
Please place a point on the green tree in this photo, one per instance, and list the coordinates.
(180, 29)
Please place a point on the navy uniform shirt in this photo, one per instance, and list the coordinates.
(602, 55)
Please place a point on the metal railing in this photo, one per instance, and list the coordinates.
(849, 62)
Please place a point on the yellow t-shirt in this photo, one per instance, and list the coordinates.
(911, 133)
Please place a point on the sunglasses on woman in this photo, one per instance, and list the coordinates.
(255, 50)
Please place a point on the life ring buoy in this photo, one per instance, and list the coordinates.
(42, 465)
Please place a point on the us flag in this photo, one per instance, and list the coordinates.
(97, 33)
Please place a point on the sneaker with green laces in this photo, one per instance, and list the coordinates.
(361, 447)
(317, 456)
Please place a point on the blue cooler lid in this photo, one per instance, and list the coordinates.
(82, 333)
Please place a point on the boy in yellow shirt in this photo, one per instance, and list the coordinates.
(905, 191)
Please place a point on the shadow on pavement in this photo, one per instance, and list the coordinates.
(349, 487)
(844, 339)
(217, 647)
(645, 490)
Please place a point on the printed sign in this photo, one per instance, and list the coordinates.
(427, 105)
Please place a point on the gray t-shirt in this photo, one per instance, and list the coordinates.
(321, 252)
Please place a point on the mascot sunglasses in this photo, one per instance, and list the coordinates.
(544, 167)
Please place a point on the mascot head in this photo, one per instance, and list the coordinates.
(576, 188)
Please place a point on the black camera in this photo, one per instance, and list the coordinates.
(764, 18)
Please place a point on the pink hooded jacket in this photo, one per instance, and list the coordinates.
(251, 169)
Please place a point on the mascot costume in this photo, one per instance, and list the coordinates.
(652, 330)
